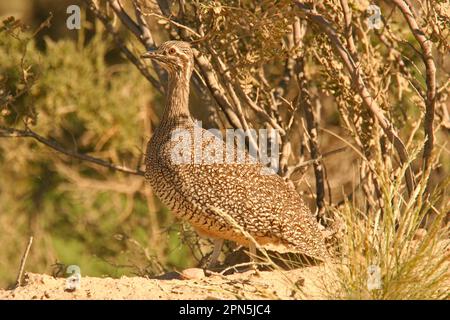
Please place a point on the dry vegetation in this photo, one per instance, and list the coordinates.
(361, 116)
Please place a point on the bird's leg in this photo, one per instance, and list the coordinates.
(253, 256)
(252, 249)
(218, 243)
(252, 264)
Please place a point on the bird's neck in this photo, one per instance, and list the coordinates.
(176, 111)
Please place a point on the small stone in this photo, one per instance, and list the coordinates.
(193, 273)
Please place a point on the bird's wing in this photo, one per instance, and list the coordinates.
(263, 204)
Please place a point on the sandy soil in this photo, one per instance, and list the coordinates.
(190, 284)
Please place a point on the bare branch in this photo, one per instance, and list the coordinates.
(427, 55)
(121, 45)
(177, 24)
(235, 87)
(226, 78)
(146, 38)
(217, 92)
(28, 133)
(145, 34)
(358, 82)
(304, 102)
(348, 29)
(126, 19)
(23, 261)
(165, 7)
(292, 170)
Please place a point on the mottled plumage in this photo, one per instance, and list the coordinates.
(264, 205)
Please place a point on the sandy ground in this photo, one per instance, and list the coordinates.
(190, 284)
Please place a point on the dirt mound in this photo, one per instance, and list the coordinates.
(192, 284)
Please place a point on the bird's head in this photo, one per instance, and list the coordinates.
(174, 56)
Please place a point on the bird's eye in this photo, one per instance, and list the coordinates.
(171, 51)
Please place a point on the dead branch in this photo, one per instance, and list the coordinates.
(28, 133)
(23, 261)
(348, 29)
(359, 83)
(304, 102)
(140, 29)
(427, 55)
(121, 44)
(312, 129)
(116, 5)
(146, 35)
(215, 89)
(165, 7)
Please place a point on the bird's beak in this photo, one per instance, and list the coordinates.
(153, 54)
(149, 55)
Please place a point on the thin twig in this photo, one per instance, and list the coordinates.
(427, 55)
(177, 24)
(294, 169)
(210, 77)
(116, 5)
(121, 44)
(140, 29)
(23, 261)
(348, 29)
(28, 133)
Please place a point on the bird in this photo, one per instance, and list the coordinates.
(201, 191)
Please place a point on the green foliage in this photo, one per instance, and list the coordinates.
(70, 93)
